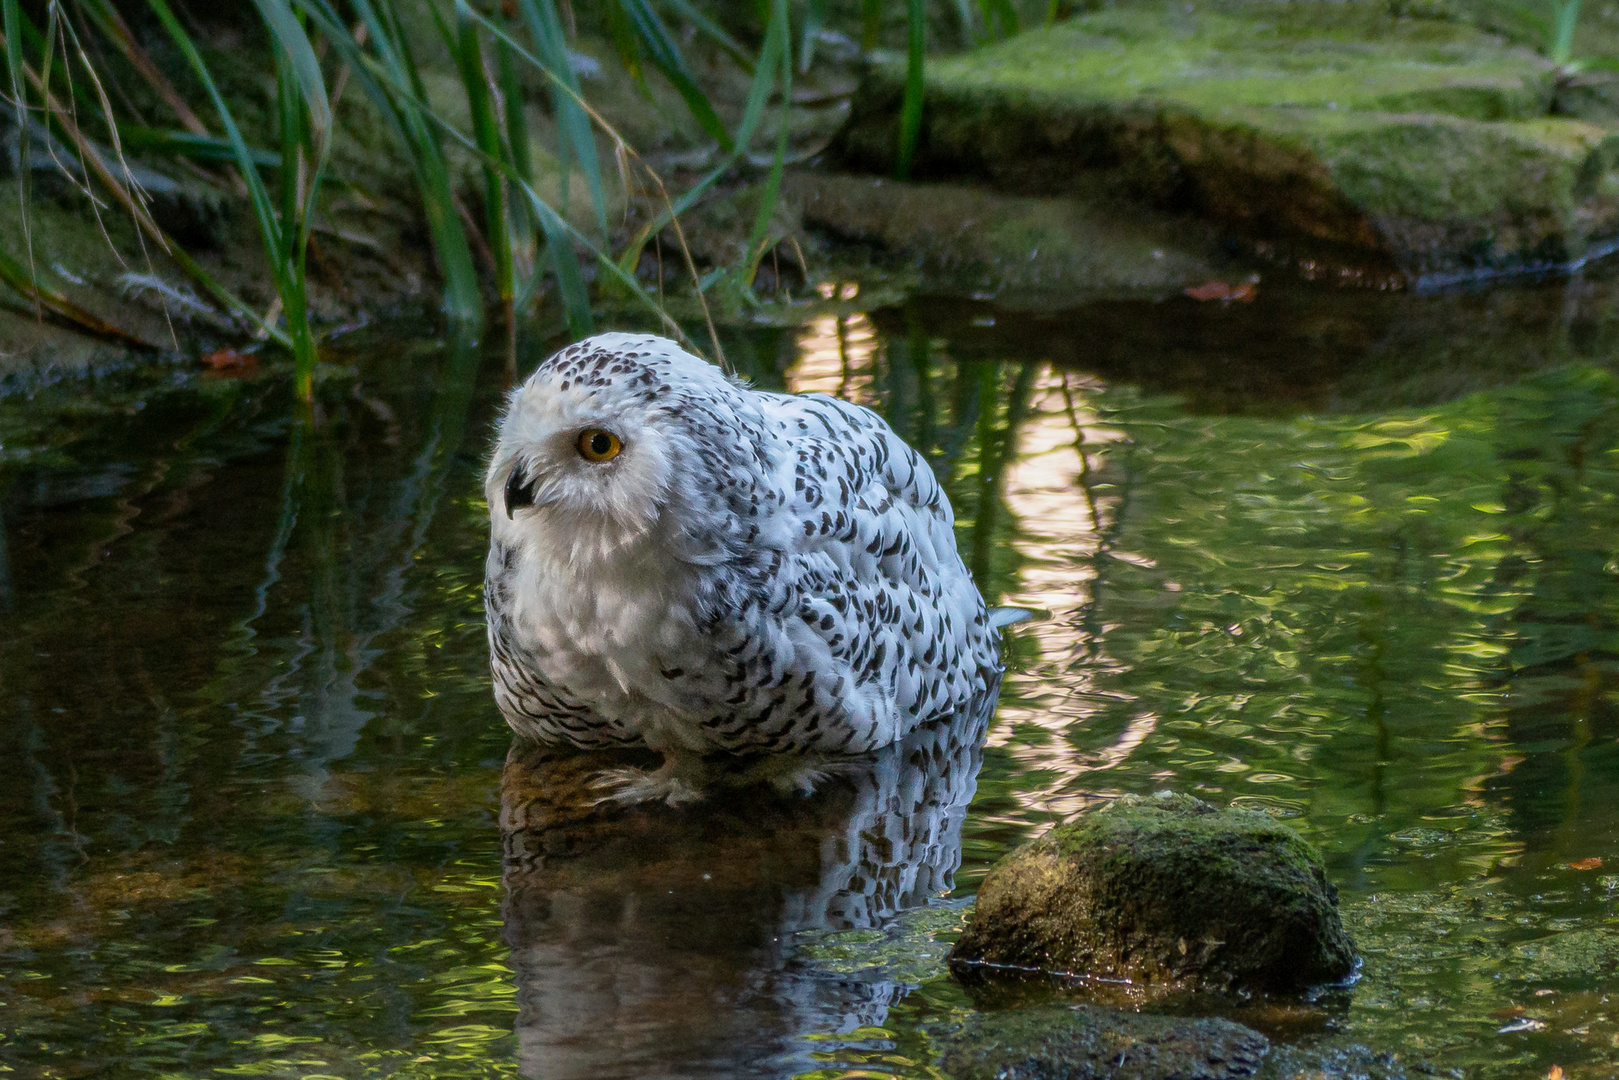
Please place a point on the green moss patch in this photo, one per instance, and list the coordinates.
(1168, 892)
(1355, 135)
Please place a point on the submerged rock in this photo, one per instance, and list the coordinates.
(1165, 891)
(1341, 131)
(1084, 1042)
(1333, 1062)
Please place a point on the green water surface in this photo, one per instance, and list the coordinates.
(1349, 558)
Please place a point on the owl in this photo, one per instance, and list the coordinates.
(755, 585)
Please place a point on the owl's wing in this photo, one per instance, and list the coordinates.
(881, 595)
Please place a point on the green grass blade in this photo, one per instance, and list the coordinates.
(263, 209)
(565, 264)
(871, 23)
(487, 134)
(11, 23)
(511, 88)
(665, 55)
(776, 38)
(688, 11)
(184, 144)
(814, 19)
(306, 128)
(1001, 11)
(280, 233)
(545, 27)
(783, 60)
(289, 34)
(910, 120)
(561, 236)
(964, 15)
(386, 71)
(1562, 45)
(289, 123)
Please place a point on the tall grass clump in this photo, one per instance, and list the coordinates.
(502, 235)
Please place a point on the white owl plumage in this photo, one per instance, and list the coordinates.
(679, 562)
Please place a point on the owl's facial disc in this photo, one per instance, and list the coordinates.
(596, 445)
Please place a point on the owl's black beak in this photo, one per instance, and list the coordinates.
(519, 491)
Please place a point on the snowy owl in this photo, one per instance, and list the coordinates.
(681, 563)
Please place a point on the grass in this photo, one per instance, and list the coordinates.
(502, 235)
(1555, 25)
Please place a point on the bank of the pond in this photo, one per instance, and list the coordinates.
(1351, 138)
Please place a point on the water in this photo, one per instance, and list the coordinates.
(1349, 558)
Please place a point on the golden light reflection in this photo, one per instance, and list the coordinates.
(836, 356)
(1050, 490)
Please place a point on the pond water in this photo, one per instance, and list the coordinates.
(1350, 558)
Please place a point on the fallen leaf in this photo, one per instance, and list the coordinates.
(1210, 290)
(1554, 1073)
(222, 359)
(1593, 863)
(1242, 293)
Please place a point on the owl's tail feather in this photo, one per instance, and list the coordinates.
(1002, 617)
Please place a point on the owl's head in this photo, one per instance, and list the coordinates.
(603, 436)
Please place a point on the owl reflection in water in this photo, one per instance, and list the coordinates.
(756, 585)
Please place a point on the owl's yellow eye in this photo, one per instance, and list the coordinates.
(596, 444)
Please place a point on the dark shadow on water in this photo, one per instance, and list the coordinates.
(654, 941)
(1295, 346)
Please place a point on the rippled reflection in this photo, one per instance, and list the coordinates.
(654, 942)
(1348, 558)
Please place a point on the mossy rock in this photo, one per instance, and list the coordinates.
(970, 240)
(1089, 1043)
(1166, 892)
(1334, 130)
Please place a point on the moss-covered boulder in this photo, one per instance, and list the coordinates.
(1166, 891)
(1329, 132)
(1085, 1042)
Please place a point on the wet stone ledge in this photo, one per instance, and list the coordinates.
(1330, 132)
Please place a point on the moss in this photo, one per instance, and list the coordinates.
(1167, 891)
(1345, 56)
(1425, 143)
